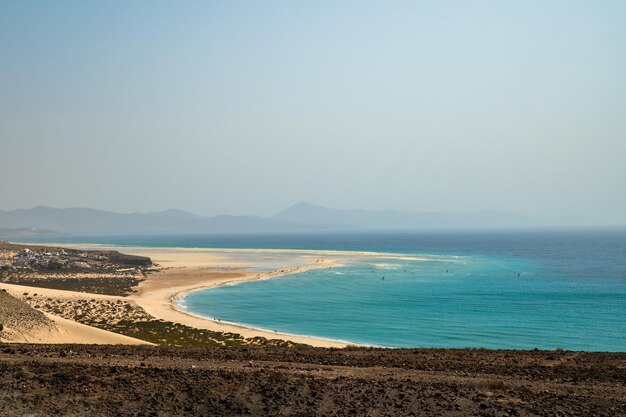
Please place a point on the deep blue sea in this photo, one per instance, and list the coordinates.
(541, 289)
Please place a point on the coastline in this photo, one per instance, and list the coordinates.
(163, 301)
(160, 293)
(184, 270)
(148, 297)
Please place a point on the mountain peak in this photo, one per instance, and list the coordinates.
(173, 212)
(298, 209)
(305, 205)
(41, 208)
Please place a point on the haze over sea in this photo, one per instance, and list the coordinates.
(542, 289)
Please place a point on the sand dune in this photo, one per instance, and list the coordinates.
(24, 324)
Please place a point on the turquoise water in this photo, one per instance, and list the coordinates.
(479, 302)
(570, 292)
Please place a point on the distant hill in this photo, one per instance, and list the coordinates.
(306, 213)
(300, 217)
(91, 221)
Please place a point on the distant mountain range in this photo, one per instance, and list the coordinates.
(310, 214)
(300, 217)
(91, 221)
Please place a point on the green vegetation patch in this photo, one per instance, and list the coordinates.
(120, 286)
(172, 334)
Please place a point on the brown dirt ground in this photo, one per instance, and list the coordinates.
(76, 380)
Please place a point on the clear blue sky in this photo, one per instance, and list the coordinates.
(248, 107)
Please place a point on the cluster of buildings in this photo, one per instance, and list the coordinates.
(50, 259)
(28, 257)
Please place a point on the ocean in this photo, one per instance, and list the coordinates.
(543, 289)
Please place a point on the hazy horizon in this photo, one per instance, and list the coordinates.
(246, 109)
(309, 215)
(562, 220)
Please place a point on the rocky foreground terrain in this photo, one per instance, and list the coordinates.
(77, 380)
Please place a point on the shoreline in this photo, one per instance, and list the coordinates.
(185, 270)
(316, 341)
(174, 299)
(161, 292)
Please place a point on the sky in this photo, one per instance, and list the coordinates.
(249, 107)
